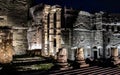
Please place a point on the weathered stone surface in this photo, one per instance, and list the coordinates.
(61, 61)
(80, 54)
(34, 37)
(20, 43)
(62, 55)
(15, 10)
(6, 54)
(6, 48)
(14, 13)
(80, 58)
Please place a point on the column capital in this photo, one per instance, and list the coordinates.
(46, 9)
(52, 11)
(58, 9)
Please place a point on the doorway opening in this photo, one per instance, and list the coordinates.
(95, 55)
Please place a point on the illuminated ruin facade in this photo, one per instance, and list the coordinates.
(47, 24)
(52, 27)
(98, 33)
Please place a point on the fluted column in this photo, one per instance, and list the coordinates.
(45, 24)
(51, 34)
(58, 29)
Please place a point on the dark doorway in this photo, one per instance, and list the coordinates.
(95, 55)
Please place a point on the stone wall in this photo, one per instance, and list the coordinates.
(15, 13)
(83, 39)
(84, 36)
(15, 10)
(49, 18)
(111, 40)
(20, 44)
(34, 37)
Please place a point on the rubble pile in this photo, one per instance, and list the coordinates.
(6, 53)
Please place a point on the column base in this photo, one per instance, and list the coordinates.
(82, 64)
(62, 66)
(115, 60)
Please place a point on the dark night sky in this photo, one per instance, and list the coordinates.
(87, 5)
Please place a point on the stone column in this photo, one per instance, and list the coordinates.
(58, 29)
(115, 59)
(45, 34)
(80, 58)
(45, 30)
(114, 52)
(51, 34)
(62, 57)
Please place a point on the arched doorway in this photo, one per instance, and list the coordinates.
(100, 51)
(88, 51)
(108, 51)
(95, 52)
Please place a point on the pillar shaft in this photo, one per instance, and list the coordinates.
(51, 34)
(58, 30)
(114, 52)
(45, 23)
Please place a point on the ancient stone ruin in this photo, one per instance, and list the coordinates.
(6, 48)
(62, 57)
(114, 57)
(80, 58)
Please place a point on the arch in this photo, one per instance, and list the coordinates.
(104, 27)
(118, 28)
(115, 28)
(95, 52)
(107, 27)
(99, 50)
(108, 50)
(95, 47)
(112, 27)
(88, 51)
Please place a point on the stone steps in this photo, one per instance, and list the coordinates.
(24, 63)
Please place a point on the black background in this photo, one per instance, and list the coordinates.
(87, 5)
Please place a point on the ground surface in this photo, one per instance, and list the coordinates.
(94, 70)
(26, 66)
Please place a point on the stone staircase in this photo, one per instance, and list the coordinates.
(24, 63)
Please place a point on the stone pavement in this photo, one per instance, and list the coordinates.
(94, 70)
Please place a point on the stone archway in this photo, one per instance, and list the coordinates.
(88, 48)
(108, 51)
(95, 52)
